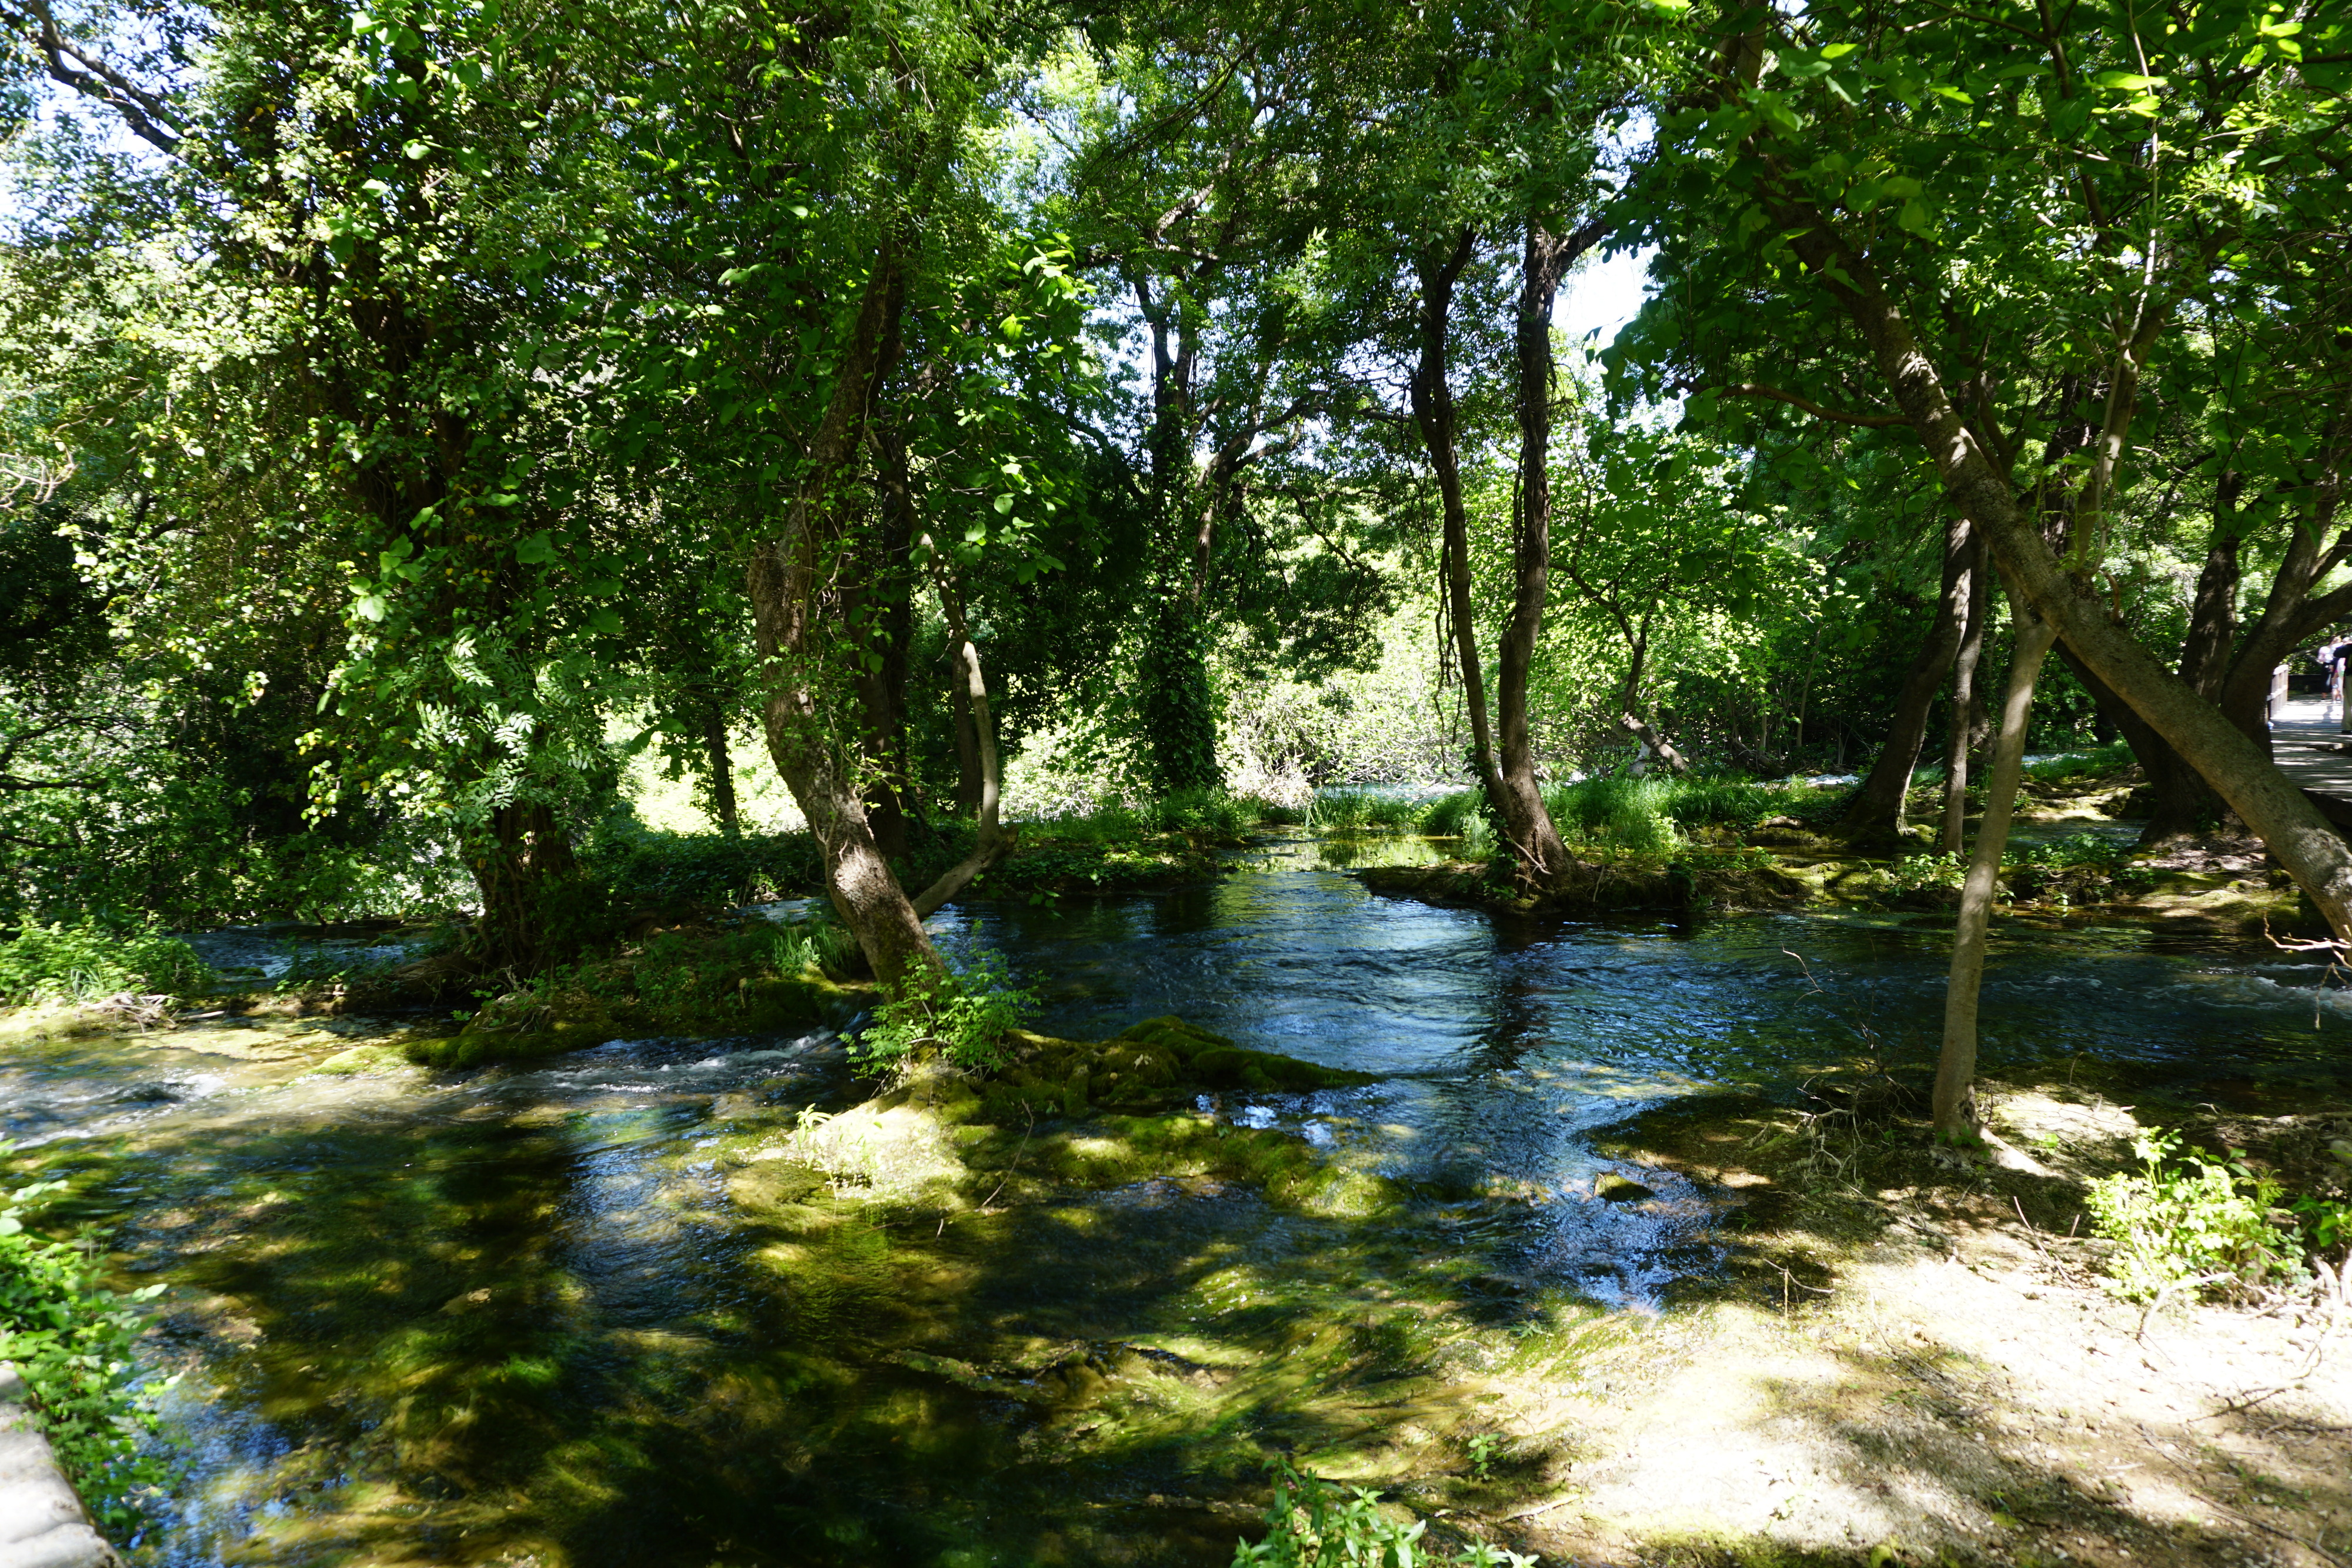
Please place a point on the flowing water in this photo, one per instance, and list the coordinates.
(522, 1316)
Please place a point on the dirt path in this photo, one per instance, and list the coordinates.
(1917, 1365)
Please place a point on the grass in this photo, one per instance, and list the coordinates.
(1651, 815)
(2097, 763)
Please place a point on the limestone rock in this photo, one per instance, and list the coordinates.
(42, 1524)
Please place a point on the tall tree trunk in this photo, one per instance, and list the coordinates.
(1876, 810)
(1956, 1068)
(1965, 702)
(522, 858)
(993, 841)
(2265, 799)
(1544, 260)
(1176, 703)
(1433, 415)
(967, 743)
(721, 770)
(787, 592)
(2214, 612)
(882, 608)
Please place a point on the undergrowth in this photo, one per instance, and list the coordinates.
(86, 962)
(963, 1015)
(2191, 1227)
(71, 1339)
(1315, 1524)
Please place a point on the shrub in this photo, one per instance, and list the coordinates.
(1623, 813)
(2191, 1225)
(72, 1341)
(649, 869)
(1313, 1524)
(962, 1016)
(1443, 817)
(86, 962)
(1943, 869)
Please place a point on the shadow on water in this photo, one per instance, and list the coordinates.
(536, 1317)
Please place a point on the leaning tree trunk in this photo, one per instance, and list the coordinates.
(1966, 703)
(2182, 802)
(1956, 1069)
(2265, 800)
(1876, 810)
(789, 604)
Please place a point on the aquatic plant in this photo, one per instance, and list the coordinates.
(71, 1339)
(962, 1016)
(814, 944)
(1313, 1524)
(87, 961)
(2188, 1226)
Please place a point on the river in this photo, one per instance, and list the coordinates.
(518, 1317)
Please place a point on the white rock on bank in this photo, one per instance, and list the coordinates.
(42, 1524)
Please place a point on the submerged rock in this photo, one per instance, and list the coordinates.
(1610, 1188)
(1152, 1065)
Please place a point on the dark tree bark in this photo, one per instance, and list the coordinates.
(1543, 261)
(1876, 810)
(1956, 1066)
(1433, 413)
(524, 856)
(1968, 705)
(721, 772)
(967, 743)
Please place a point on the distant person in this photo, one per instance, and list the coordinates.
(2332, 658)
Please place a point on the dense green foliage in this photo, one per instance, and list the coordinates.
(86, 962)
(72, 1340)
(2191, 1228)
(963, 1015)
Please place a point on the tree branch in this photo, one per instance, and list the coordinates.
(1870, 420)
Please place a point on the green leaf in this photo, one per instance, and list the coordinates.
(536, 551)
